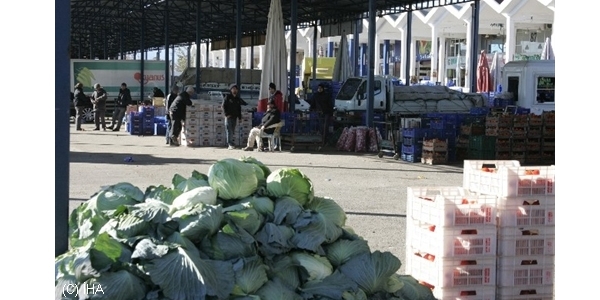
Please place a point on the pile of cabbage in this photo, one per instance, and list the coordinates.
(240, 232)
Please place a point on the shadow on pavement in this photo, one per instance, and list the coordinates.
(138, 159)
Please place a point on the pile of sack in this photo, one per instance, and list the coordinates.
(359, 139)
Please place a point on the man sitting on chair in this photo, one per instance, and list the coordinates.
(271, 117)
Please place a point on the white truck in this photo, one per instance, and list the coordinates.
(393, 98)
(111, 73)
(531, 83)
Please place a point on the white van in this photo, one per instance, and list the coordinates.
(532, 84)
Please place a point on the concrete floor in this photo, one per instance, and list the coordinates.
(371, 190)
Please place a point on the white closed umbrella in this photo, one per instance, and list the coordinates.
(547, 52)
(496, 71)
(342, 68)
(275, 54)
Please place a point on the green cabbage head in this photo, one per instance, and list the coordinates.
(232, 179)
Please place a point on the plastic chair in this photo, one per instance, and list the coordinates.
(274, 138)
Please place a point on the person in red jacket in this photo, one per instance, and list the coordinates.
(275, 95)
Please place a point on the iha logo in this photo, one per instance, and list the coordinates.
(73, 289)
(147, 78)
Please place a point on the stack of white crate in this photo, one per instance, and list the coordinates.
(526, 218)
(205, 127)
(451, 242)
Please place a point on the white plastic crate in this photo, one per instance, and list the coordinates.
(452, 273)
(533, 292)
(516, 241)
(465, 293)
(451, 241)
(450, 206)
(475, 166)
(513, 181)
(521, 271)
(526, 211)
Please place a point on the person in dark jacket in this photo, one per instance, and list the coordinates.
(123, 100)
(322, 104)
(170, 98)
(232, 107)
(80, 100)
(271, 117)
(156, 92)
(99, 100)
(177, 113)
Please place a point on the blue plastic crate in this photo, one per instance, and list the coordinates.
(135, 116)
(160, 120)
(418, 133)
(410, 141)
(437, 124)
(413, 149)
(479, 111)
(503, 102)
(412, 158)
(160, 128)
(148, 131)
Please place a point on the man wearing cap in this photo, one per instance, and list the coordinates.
(99, 100)
(271, 117)
(232, 107)
(170, 98)
(177, 113)
(123, 101)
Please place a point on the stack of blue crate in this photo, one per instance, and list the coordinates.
(147, 114)
(444, 126)
(135, 124)
(412, 143)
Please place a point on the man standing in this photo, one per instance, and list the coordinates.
(271, 117)
(177, 112)
(99, 100)
(170, 98)
(232, 107)
(123, 101)
(322, 104)
(79, 101)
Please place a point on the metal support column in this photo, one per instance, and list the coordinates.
(142, 47)
(371, 78)
(386, 57)
(61, 127)
(207, 52)
(252, 52)
(475, 7)
(293, 46)
(172, 60)
(198, 74)
(189, 54)
(314, 65)
(363, 58)
(105, 46)
(357, 53)
(407, 46)
(238, 43)
(121, 42)
(227, 52)
(167, 71)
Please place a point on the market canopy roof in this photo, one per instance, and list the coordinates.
(112, 26)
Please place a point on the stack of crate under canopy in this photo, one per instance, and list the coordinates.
(205, 126)
(526, 218)
(451, 242)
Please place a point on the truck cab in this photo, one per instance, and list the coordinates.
(531, 83)
(353, 93)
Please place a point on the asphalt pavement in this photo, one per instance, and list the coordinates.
(371, 190)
